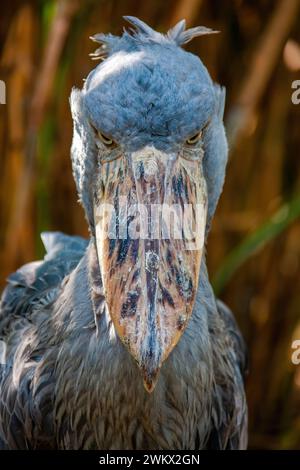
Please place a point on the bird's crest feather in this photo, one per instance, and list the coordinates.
(143, 33)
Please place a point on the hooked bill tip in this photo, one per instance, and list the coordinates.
(150, 379)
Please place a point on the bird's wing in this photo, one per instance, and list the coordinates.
(239, 344)
(37, 282)
(26, 300)
(230, 430)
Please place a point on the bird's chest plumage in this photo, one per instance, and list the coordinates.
(110, 409)
(131, 420)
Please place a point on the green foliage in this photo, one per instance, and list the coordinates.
(287, 214)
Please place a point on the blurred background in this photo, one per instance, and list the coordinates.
(254, 245)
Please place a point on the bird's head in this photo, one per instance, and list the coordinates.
(149, 155)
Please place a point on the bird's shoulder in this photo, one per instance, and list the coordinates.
(229, 423)
(36, 284)
(238, 342)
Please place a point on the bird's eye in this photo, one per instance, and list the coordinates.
(195, 138)
(105, 139)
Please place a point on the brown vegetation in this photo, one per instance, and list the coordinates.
(44, 47)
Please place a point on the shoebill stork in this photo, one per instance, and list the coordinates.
(119, 342)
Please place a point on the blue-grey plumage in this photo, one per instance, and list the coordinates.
(78, 331)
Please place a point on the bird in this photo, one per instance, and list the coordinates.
(118, 341)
